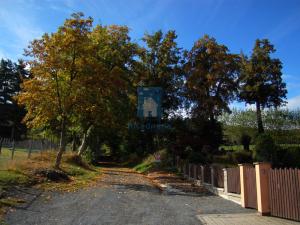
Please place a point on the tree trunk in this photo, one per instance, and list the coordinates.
(1, 142)
(62, 144)
(84, 145)
(259, 118)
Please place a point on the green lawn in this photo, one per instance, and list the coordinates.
(240, 147)
(5, 156)
(235, 147)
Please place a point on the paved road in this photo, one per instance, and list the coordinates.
(121, 198)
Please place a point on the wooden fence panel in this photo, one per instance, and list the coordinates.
(195, 171)
(233, 180)
(199, 173)
(250, 187)
(191, 167)
(207, 174)
(218, 177)
(185, 169)
(284, 193)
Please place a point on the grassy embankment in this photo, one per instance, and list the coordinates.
(22, 172)
(150, 164)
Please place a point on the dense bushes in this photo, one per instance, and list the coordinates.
(265, 148)
(242, 156)
(233, 158)
(197, 157)
(195, 135)
(245, 140)
(288, 157)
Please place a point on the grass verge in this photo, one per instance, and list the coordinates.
(22, 172)
(150, 164)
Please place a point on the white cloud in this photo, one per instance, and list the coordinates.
(22, 27)
(19, 28)
(294, 103)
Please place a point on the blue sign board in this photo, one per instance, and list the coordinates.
(149, 102)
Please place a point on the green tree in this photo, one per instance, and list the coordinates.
(211, 74)
(9, 81)
(59, 62)
(106, 101)
(11, 115)
(161, 66)
(261, 80)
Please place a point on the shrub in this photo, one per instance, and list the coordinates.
(242, 156)
(78, 161)
(225, 159)
(265, 148)
(197, 157)
(245, 140)
(288, 157)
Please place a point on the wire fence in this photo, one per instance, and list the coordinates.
(27, 146)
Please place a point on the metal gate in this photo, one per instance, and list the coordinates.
(250, 188)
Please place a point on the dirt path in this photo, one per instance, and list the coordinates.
(121, 197)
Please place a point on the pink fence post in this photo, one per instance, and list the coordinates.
(262, 187)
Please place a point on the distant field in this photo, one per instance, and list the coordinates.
(235, 147)
(240, 147)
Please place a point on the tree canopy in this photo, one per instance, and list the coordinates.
(211, 75)
(83, 80)
(261, 79)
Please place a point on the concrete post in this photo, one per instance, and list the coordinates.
(244, 197)
(262, 187)
(225, 181)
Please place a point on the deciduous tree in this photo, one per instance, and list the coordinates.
(261, 80)
(58, 65)
(161, 66)
(211, 75)
(106, 99)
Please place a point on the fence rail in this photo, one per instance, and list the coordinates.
(207, 174)
(33, 144)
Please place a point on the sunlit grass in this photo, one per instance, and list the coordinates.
(21, 172)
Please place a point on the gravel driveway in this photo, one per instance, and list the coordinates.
(121, 197)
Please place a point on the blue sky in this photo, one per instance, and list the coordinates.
(235, 23)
